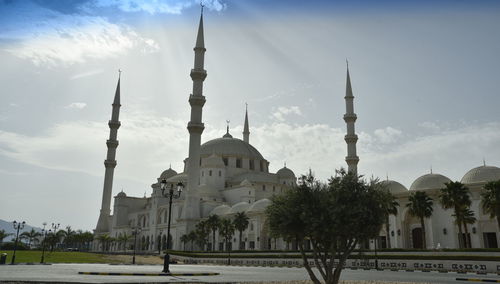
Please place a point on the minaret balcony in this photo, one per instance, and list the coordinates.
(113, 124)
(354, 159)
(197, 100)
(351, 138)
(109, 163)
(194, 127)
(199, 48)
(112, 143)
(198, 74)
(350, 117)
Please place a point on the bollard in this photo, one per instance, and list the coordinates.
(3, 258)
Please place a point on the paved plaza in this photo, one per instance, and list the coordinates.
(228, 274)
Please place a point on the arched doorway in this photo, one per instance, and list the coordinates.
(416, 235)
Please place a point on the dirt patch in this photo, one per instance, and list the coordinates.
(139, 259)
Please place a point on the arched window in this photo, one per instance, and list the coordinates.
(210, 172)
(238, 163)
(220, 173)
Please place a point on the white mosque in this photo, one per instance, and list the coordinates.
(228, 175)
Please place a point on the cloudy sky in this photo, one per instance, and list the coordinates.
(425, 77)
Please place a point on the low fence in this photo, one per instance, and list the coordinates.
(479, 267)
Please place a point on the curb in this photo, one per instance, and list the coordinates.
(478, 280)
(149, 274)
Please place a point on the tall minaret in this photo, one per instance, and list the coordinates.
(246, 131)
(110, 164)
(351, 138)
(195, 128)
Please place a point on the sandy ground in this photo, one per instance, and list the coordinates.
(139, 259)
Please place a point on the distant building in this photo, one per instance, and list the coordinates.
(441, 231)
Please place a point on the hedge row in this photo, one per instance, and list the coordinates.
(353, 256)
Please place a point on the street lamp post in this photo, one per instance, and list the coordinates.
(170, 194)
(376, 258)
(17, 226)
(135, 232)
(44, 231)
(55, 227)
(159, 241)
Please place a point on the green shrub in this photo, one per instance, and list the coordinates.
(10, 246)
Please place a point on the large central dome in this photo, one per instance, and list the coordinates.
(228, 146)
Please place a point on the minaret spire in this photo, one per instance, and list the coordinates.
(195, 127)
(103, 224)
(350, 118)
(246, 130)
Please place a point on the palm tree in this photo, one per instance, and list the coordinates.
(490, 200)
(213, 223)
(227, 232)
(68, 236)
(30, 236)
(86, 239)
(391, 208)
(457, 196)
(420, 206)
(105, 240)
(202, 232)
(241, 224)
(467, 218)
(124, 239)
(184, 240)
(192, 238)
(3, 235)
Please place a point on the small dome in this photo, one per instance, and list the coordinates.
(285, 173)
(220, 210)
(182, 177)
(245, 182)
(394, 186)
(167, 174)
(239, 207)
(213, 161)
(260, 205)
(429, 181)
(481, 174)
(121, 194)
(230, 147)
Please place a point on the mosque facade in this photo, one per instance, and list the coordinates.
(228, 175)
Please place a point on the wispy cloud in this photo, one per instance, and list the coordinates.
(51, 38)
(282, 111)
(76, 106)
(86, 74)
(159, 6)
(387, 135)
